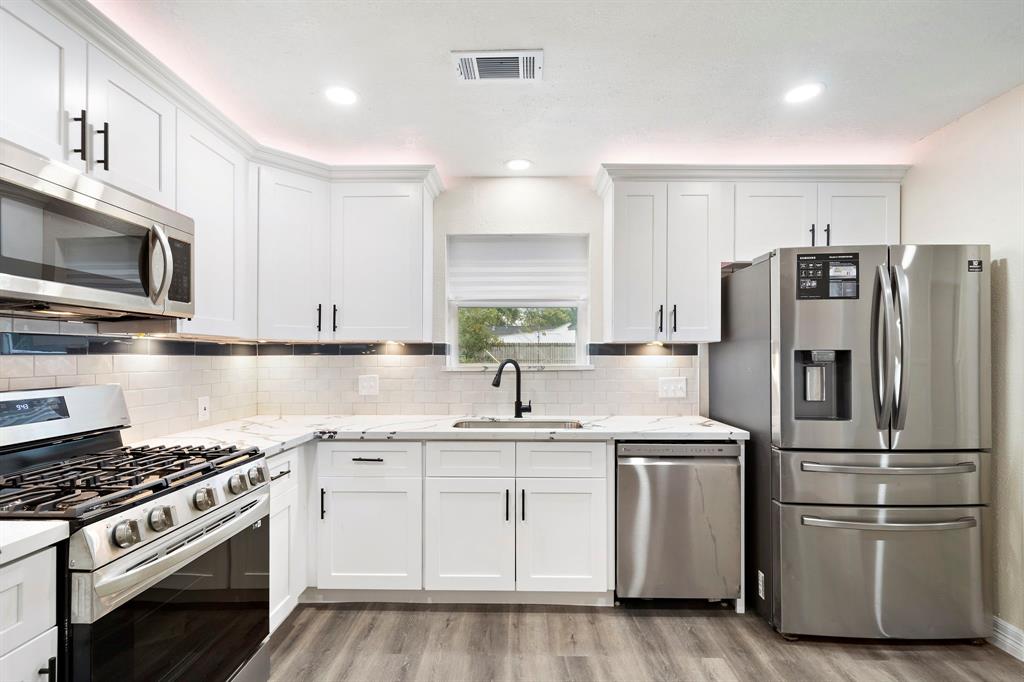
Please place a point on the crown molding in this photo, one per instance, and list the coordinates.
(608, 173)
(85, 19)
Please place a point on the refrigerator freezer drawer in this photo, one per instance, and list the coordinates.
(678, 527)
(880, 573)
(879, 478)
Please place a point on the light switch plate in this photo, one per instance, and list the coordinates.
(369, 384)
(671, 387)
(203, 405)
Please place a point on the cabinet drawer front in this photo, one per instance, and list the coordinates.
(370, 459)
(562, 460)
(284, 472)
(879, 478)
(471, 459)
(24, 663)
(28, 598)
(881, 572)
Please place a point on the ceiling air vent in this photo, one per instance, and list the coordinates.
(499, 65)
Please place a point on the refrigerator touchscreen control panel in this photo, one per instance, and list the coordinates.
(823, 276)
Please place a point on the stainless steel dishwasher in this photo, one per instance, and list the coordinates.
(678, 520)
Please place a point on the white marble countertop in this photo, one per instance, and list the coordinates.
(275, 434)
(19, 538)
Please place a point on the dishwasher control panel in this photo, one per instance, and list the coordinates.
(683, 449)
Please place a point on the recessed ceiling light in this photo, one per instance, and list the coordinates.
(518, 164)
(802, 93)
(341, 95)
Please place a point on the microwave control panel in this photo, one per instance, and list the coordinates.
(827, 276)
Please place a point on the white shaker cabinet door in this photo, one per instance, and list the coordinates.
(470, 534)
(858, 213)
(42, 83)
(377, 261)
(370, 533)
(211, 188)
(636, 261)
(562, 535)
(698, 240)
(770, 215)
(285, 554)
(294, 212)
(133, 141)
(30, 661)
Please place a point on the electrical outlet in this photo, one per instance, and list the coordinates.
(671, 387)
(203, 403)
(369, 384)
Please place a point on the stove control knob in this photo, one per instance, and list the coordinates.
(161, 518)
(204, 499)
(126, 534)
(237, 485)
(256, 475)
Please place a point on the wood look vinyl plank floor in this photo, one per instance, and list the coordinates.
(456, 643)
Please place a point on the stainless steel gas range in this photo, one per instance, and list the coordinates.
(165, 574)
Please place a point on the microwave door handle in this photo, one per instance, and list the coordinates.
(901, 392)
(158, 235)
(880, 359)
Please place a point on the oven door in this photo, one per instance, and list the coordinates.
(194, 607)
(66, 254)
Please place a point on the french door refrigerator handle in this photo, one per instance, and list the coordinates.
(880, 357)
(961, 468)
(901, 393)
(966, 522)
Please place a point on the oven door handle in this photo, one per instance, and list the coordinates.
(158, 235)
(137, 580)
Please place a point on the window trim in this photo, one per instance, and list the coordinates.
(582, 306)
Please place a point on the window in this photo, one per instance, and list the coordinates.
(522, 297)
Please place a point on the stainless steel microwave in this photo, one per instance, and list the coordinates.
(74, 248)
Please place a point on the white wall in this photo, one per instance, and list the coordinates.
(517, 205)
(967, 185)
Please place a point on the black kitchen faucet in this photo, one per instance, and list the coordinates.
(519, 395)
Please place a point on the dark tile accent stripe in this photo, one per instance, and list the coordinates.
(605, 349)
(22, 343)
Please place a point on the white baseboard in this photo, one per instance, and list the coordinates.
(1007, 637)
(315, 596)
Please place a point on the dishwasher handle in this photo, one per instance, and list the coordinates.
(676, 461)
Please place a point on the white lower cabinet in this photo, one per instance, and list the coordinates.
(31, 661)
(370, 533)
(470, 541)
(562, 534)
(285, 553)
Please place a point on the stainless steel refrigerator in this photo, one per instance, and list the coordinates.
(863, 375)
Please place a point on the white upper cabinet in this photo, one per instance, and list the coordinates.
(294, 233)
(665, 243)
(211, 189)
(698, 241)
(858, 213)
(42, 83)
(635, 242)
(377, 262)
(770, 215)
(132, 125)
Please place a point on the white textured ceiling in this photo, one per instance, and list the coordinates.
(665, 82)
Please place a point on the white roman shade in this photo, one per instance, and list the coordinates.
(518, 267)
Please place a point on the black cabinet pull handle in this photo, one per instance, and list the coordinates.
(322, 509)
(661, 317)
(812, 234)
(281, 474)
(675, 314)
(83, 135)
(319, 315)
(105, 132)
(335, 318)
(51, 668)
(828, 234)
(367, 459)
(506, 503)
(524, 504)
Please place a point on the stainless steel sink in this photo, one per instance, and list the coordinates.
(517, 424)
